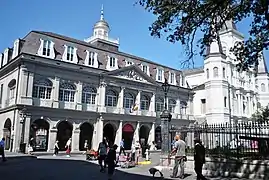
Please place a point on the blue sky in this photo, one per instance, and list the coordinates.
(76, 18)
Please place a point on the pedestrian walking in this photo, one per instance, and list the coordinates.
(56, 148)
(102, 154)
(68, 147)
(122, 150)
(111, 161)
(199, 158)
(180, 156)
(2, 149)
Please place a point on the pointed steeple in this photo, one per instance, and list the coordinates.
(262, 67)
(214, 48)
(229, 25)
(102, 13)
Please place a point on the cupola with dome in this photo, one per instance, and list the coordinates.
(101, 31)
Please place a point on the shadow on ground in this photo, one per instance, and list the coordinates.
(52, 169)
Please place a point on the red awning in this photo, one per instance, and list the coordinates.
(128, 128)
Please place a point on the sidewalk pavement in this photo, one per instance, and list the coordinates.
(13, 155)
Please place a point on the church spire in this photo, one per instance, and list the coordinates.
(102, 13)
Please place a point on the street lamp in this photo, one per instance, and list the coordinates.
(22, 122)
(165, 121)
(166, 87)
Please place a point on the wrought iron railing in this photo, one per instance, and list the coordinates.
(249, 140)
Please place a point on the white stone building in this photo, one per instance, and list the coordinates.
(213, 82)
(54, 87)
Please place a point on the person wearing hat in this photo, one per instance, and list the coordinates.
(111, 161)
(199, 158)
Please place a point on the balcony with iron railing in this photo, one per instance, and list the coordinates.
(42, 102)
(89, 107)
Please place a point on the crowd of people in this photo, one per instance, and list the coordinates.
(108, 159)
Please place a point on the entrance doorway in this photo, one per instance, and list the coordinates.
(158, 137)
(85, 136)
(144, 133)
(127, 135)
(40, 134)
(109, 133)
(64, 133)
(7, 133)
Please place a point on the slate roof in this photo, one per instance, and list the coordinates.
(32, 43)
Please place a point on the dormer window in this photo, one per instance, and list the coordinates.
(70, 53)
(172, 78)
(129, 63)
(46, 48)
(160, 74)
(91, 59)
(112, 62)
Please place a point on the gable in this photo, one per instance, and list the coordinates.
(133, 73)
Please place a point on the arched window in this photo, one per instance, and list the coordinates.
(207, 73)
(11, 89)
(42, 89)
(159, 105)
(144, 104)
(172, 105)
(223, 73)
(263, 87)
(215, 72)
(67, 92)
(128, 100)
(183, 107)
(111, 98)
(88, 95)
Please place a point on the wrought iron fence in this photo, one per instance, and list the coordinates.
(248, 140)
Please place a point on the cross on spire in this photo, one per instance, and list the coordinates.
(102, 13)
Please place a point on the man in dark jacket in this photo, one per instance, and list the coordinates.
(199, 158)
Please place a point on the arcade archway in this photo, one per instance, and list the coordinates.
(7, 133)
(85, 136)
(158, 137)
(144, 133)
(64, 133)
(109, 132)
(40, 134)
(127, 135)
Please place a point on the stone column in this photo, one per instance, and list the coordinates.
(98, 132)
(119, 134)
(152, 103)
(16, 130)
(152, 133)
(120, 100)
(52, 138)
(177, 108)
(27, 124)
(78, 99)
(75, 140)
(136, 133)
(101, 97)
(95, 140)
(137, 99)
(55, 92)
